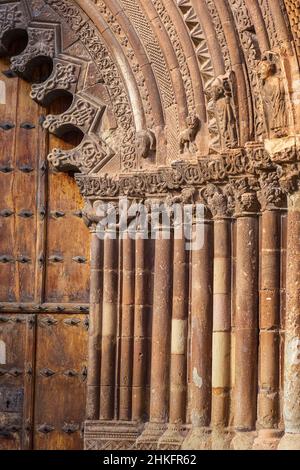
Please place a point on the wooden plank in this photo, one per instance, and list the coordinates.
(60, 381)
(29, 390)
(8, 112)
(67, 236)
(12, 337)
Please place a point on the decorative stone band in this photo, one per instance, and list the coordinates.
(264, 174)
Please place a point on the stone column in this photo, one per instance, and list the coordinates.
(141, 330)
(216, 199)
(160, 349)
(246, 315)
(109, 325)
(200, 367)
(269, 324)
(291, 409)
(95, 327)
(127, 326)
(174, 435)
(221, 324)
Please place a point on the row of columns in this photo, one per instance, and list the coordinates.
(212, 348)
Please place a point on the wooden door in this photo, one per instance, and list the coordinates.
(44, 279)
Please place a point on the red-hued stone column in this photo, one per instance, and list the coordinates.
(109, 326)
(269, 323)
(291, 406)
(174, 435)
(200, 368)
(127, 327)
(246, 324)
(141, 328)
(160, 349)
(95, 329)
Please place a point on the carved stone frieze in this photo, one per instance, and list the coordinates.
(111, 435)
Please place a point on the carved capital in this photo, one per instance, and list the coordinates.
(218, 201)
(270, 193)
(243, 192)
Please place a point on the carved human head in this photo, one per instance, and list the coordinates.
(266, 69)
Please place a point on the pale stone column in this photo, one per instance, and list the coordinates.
(160, 350)
(200, 368)
(221, 331)
(174, 435)
(127, 327)
(109, 325)
(95, 328)
(291, 409)
(246, 317)
(217, 201)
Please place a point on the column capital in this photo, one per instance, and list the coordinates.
(218, 201)
(242, 195)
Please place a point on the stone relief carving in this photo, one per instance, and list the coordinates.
(145, 143)
(187, 137)
(11, 17)
(63, 77)
(88, 157)
(224, 106)
(81, 115)
(202, 51)
(274, 99)
(41, 43)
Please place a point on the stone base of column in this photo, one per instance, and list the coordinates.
(267, 439)
(289, 441)
(221, 439)
(197, 439)
(173, 437)
(111, 435)
(150, 437)
(243, 440)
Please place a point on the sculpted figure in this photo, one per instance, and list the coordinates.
(145, 142)
(274, 99)
(187, 137)
(222, 96)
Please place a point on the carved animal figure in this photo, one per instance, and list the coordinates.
(145, 142)
(188, 135)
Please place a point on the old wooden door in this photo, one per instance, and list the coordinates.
(44, 270)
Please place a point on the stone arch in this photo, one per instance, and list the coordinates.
(181, 101)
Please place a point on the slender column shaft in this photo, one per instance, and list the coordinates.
(109, 326)
(221, 322)
(269, 320)
(292, 324)
(127, 325)
(201, 330)
(178, 374)
(161, 326)
(246, 322)
(95, 329)
(140, 331)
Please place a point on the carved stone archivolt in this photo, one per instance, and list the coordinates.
(177, 102)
